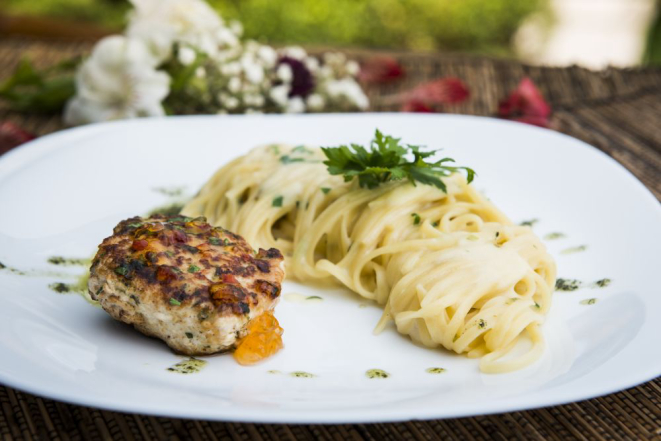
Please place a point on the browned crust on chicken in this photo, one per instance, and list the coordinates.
(184, 281)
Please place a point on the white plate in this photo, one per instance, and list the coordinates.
(62, 194)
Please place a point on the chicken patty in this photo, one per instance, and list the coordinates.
(195, 286)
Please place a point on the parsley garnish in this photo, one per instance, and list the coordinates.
(175, 302)
(386, 161)
(193, 268)
(416, 218)
(325, 190)
(277, 202)
(214, 241)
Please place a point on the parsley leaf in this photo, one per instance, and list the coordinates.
(277, 202)
(386, 160)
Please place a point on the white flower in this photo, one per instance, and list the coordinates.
(186, 55)
(295, 105)
(279, 94)
(349, 90)
(268, 55)
(284, 73)
(234, 84)
(353, 68)
(231, 102)
(230, 69)
(254, 72)
(226, 37)
(315, 101)
(311, 63)
(119, 80)
(254, 100)
(164, 22)
(295, 52)
(236, 27)
(326, 71)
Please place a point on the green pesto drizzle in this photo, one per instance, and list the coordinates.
(554, 236)
(169, 209)
(173, 192)
(69, 261)
(190, 366)
(376, 373)
(435, 370)
(567, 284)
(301, 374)
(80, 287)
(602, 283)
(574, 250)
(529, 223)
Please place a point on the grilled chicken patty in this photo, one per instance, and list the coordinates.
(194, 286)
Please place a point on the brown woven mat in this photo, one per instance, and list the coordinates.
(618, 111)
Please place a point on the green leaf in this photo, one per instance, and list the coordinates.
(277, 202)
(183, 74)
(175, 302)
(388, 160)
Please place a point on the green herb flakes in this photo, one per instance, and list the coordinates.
(301, 374)
(286, 159)
(189, 334)
(416, 218)
(190, 366)
(588, 301)
(602, 283)
(175, 302)
(122, 270)
(529, 223)
(277, 202)
(567, 284)
(435, 370)
(325, 190)
(554, 236)
(193, 268)
(574, 250)
(376, 373)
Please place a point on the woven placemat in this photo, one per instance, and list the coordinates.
(616, 110)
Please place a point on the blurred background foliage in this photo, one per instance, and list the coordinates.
(478, 26)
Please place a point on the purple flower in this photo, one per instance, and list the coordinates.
(302, 82)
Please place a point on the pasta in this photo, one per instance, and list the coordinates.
(449, 268)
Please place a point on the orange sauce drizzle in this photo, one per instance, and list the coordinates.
(263, 340)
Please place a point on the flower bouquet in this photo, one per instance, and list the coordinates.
(180, 57)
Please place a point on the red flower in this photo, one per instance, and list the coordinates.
(11, 136)
(526, 104)
(378, 70)
(416, 106)
(427, 96)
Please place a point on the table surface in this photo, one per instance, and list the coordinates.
(615, 110)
